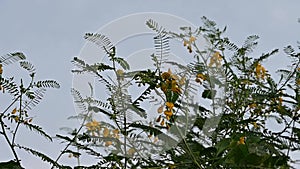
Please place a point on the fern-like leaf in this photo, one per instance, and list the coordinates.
(100, 103)
(10, 86)
(99, 40)
(42, 156)
(289, 50)
(155, 26)
(47, 84)
(11, 58)
(161, 41)
(38, 129)
(231, 46)
(78, 100)
(155, 132)
(122, 63)
(34, 98)
(161, 44)
(27, 66)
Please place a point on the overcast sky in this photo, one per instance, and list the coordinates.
(50, 33)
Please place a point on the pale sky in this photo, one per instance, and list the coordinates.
(50, 33)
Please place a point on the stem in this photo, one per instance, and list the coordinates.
(12, 103)
(290, 143)
(18, 122)
(69, 144)
(8, 141)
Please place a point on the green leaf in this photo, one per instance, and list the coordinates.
(38, 129)
(47, 84)
(122, 63)
(43, 157)
(253, 159)
(223, 145)
(208, 94)
(11, 58)
(10, 165)
(27, 66)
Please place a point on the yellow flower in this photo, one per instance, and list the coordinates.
(170, 82)
(166, 75)
(162, 123)
(280, 100)
(201, 76)
(108, 143)
(242, 140)
(168, 113)
(116, 133)
(93, 126)
(168, 117)
(253, 105)
(198, 80)
(190, 49)
(106, 132)
(14, 111)
(215, 60)
(16, 118)
(120, 72)
(188, 43)
(185, 43)
(131, 151)
(175, 88)
(298, 82)
(168, 126)
(192, 39)
(260, 71)
(170, 105)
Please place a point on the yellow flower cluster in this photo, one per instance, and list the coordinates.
(155, 139)
(19, 118)
(298, 82)
(280, 99)
(169, 82)
(188, 43)
(93, 127)
(14, 111)
(242, 140)
(200, 78)
(260, 71)
(110, 133)
(215, 60)
(120, 74)
(168, 113)
(131, 151)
